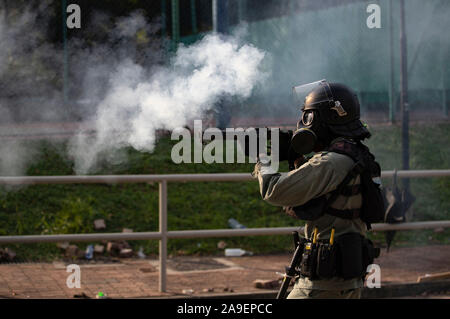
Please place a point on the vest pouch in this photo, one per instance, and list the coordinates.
(350, 255)
(309, 261)
(326, 261)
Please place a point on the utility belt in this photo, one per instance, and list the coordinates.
(347, 257)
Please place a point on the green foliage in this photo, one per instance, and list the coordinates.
(76, 216)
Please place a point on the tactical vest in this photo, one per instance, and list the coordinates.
(372, 209)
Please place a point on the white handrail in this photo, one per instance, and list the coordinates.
(222, 177)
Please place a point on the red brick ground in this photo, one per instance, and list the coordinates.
(134, 278)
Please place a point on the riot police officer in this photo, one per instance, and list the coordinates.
(331, 133)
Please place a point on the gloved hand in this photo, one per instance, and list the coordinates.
(263, 166)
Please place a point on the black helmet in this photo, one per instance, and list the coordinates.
(329, 110)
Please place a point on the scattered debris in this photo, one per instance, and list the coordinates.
(433, 277)
(208, 290)
(99, 249)
(127, 230)
(7, 255)
(266, 284)
(101, 295)
(233, 223)
(126, 253)
(236, 252)
(124, 244)
(89, 254)
(99, 224)
(188, 291)
(221, 244)
(141, 253)
(114, 248)
(439, 230)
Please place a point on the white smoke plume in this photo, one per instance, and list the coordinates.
(127, 92)
(138, 103)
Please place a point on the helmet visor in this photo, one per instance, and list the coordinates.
(321, 89)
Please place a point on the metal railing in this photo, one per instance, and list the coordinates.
(163, 234)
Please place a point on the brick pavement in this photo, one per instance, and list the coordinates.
(137, 278)
(132, 278)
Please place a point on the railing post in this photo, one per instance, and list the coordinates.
(163, 231)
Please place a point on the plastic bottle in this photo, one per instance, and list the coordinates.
(236, 252)
(141, 253)
(89, 252)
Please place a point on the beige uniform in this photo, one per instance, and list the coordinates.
(320, 175)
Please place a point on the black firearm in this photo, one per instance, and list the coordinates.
(286, 153)
(291, 271)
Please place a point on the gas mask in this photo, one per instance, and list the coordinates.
(310, 128)
(304, 138)
(311, 133)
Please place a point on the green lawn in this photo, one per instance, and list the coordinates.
(57, 209)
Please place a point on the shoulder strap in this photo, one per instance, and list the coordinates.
(354, 151)
(356, 169)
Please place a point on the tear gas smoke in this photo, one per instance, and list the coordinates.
(138, 103)
(129, 96)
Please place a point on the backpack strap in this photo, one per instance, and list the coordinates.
(365, 166)
(357, 168)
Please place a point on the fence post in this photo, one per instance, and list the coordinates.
(163, 231)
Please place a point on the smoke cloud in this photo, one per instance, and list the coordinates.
(127, 94)
(138, 103)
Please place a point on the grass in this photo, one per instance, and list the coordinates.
(61, 209)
